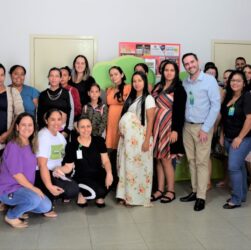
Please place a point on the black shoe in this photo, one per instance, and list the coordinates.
(190, 197)
(100, 205)
(199, 205)
(229, 206)
(82, 205)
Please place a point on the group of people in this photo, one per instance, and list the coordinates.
(90, 141)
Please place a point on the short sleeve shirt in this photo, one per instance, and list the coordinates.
(28, 94)
(233, 121)
(89, 164)
(51, 147)
(16, 159)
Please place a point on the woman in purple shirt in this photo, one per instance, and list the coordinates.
(17, 174)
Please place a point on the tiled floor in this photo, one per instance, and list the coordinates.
(163, 226)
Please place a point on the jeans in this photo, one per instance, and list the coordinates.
(237, 169)
(24, 200)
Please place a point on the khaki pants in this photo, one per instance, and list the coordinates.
(198, 155)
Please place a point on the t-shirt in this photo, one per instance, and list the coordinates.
(90, 163)
(233, 121)
(29, 93)
(16, 159)
(3, 112)
(51, 147)
(136, 106)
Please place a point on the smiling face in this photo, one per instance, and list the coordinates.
(84, 128)
(239, 64)
(237, 83)
(80, 65)
(18, 76)
(54, 78)
(54, 122)
(191, 65)
(116, 76)
(2, 77)
(25, 128)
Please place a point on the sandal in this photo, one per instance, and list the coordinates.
(16, 223)
(50, 214)
(166, 199)
(24, 217)
(155, 198)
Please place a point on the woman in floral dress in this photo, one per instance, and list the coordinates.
(135, 156)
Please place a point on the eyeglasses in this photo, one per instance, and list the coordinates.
(238, 81)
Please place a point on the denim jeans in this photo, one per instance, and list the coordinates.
(24, 200)
(237, 169)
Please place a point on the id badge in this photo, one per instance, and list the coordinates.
(191, 98)
(231, 111)
(79, 154)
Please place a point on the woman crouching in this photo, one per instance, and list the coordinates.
(92, 165)
(17, 174)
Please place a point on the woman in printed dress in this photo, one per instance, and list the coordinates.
(135, 158)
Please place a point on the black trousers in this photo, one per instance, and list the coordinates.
(70, 187)
(97, 184)
(112, 153)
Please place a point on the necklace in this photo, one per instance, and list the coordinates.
(54, 97)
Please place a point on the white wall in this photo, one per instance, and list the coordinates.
(192, 23)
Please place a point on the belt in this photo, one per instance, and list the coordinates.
(198, 123)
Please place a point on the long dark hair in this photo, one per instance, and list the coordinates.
(119, 94)
(14, 136)
(176, 81)
(229, 90)
(133, 95)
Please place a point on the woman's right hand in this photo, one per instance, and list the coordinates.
(55, 190)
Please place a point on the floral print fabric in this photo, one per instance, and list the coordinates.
(135, 168)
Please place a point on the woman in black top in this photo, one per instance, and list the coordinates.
(81, 78)
(92, 164)
(55, 97)
(236, 135)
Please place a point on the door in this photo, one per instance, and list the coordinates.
(224, 54)
(57, 51)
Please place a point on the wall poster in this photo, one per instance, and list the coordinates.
(152, 53)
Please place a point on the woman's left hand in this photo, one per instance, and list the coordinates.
(145, 146)
(173, 137)
(108, 180)
(236, 142)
